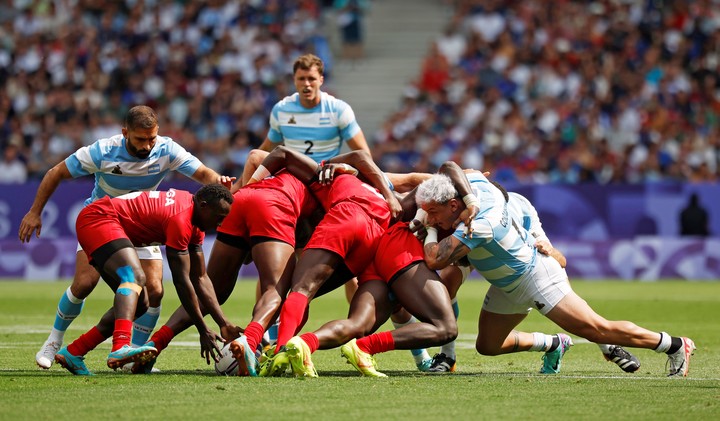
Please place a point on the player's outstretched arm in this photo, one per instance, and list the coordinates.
(254, 159)
(358, 142)
(32, 221)
(364, 163)
(205, 175)
(299, 165)
(404, 183)
(208, 298)
(179, 262)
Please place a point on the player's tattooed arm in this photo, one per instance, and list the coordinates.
(439, 255)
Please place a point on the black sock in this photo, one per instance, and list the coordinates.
(555, 343)
(675, 344)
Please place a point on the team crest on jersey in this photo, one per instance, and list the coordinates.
(154, 169)
(324, 121)
(117, 170)
(292, 120)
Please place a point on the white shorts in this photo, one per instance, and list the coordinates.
(541, 288)
(144, 253)
(465, 270)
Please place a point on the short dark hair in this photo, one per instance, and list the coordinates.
(307, 61)
(141, 117)
(212, 194)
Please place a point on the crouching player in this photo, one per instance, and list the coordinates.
(109, 229)
(262, 223)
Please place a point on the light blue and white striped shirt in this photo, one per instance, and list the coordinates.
(500, 248)
(521, 209)
(317, 132)
(117, 172)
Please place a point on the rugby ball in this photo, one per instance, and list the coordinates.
(228, 365)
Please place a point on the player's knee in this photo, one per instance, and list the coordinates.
(83, 285)
(484, 348)
(448, 333)
(155, 292)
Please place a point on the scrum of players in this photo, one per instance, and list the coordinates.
(408, 241)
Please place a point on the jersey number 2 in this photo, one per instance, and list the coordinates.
(310, 145)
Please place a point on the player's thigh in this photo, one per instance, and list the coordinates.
(123, 266)
(314, 268)
(421, 292)
(223, 267)
(275, 262)
(575, 315)
(152, 265)
(370, 306)
(500, 314)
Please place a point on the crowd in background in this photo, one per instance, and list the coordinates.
(70, 69)
(610, 91)
(606, 91)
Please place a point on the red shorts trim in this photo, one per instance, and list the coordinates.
(350, 232)
(397, 249)
(96, 227)
(261, 213)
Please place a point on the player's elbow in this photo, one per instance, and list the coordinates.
(448, 165)
(433, 263)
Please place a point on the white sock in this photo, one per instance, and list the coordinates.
(419, 355)
(541, 342)
(73, 299)
(665, 342)
(449, 348)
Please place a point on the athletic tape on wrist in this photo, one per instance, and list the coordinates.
(260, 173)
(419, 219)
(432, 235)
(471, 200)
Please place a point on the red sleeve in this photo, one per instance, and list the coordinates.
(178, 232)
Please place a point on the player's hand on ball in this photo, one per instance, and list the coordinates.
(209, 348)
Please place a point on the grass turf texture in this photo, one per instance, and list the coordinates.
(504, 387)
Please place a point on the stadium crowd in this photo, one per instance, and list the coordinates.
(70, 69)
(605, 91)
(608, 91)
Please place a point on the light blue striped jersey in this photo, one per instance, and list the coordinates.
(523, 211)
(500, 249)
(318, 132)
(117, 172)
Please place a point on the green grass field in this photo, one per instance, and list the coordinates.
(505, 387)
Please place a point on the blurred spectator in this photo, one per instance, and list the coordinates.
(70, 70)
(12, 169)
(580, 92)
(694, 218)
(350, 20)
